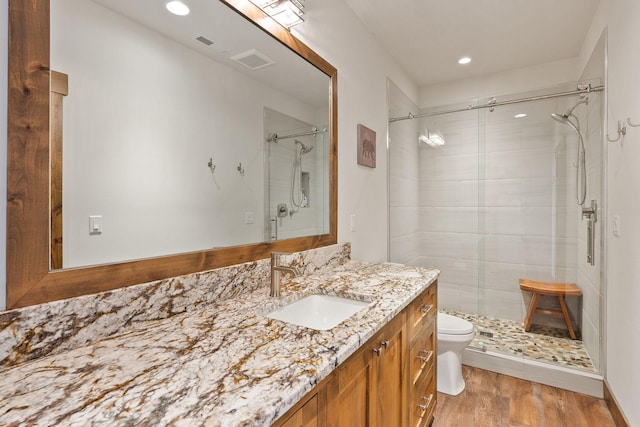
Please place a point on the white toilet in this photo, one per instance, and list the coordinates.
(454, 335)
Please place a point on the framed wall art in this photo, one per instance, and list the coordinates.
(366, 146)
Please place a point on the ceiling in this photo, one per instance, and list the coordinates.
(427, 37)
(230, 34)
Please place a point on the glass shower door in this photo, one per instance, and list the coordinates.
(495, 204)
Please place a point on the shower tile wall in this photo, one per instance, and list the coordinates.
(403, 180)
(449, 237)
(494, 204)
(527, 235)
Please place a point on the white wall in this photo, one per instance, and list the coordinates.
(333, 30)
(623, 269)
(622, 331)
(4, 5)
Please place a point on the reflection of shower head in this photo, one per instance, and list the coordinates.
(304, 149)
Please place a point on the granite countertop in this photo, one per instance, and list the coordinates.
(222, 364)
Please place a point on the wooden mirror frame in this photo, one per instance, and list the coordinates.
(29, 278)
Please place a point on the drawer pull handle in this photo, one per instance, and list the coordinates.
(427, 402)
(385, 344)
(378, 351)
(425, 308)
(424, 355)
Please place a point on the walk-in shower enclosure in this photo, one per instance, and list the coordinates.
(496, 203)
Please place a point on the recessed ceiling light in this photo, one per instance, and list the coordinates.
(464, 60)
(177, 8)
(520, 115)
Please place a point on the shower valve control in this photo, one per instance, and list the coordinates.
(283, 211)
(590, 212)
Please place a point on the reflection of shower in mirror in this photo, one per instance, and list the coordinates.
(299, 191)
(296, 156)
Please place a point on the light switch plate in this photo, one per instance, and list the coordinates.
(249, 218)
(616, 225)
(95, 224)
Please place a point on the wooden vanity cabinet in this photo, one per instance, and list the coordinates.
(368, 388)
(423, 357)
(389, 381)
(305, 415)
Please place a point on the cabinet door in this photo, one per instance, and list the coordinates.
(389, 396)
(348, 391)
(307, 416)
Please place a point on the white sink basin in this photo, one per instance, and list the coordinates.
(321, 312)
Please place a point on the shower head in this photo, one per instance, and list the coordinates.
(304, 149)
(560, 118)
(564, 119)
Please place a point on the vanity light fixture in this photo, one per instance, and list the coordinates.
(177, 8)
(286, 12)
(464, 60)
(520, 115)
(433, 139)
(262, 4)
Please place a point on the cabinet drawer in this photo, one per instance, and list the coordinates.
(422, 310)
(422, 354)
(423, 402)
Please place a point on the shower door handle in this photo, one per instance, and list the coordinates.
(592, 217)
(274, 228)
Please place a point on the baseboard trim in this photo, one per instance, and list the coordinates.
(531, 370)
(614, 408)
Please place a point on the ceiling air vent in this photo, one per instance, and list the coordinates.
(253, 59)
(205, 41)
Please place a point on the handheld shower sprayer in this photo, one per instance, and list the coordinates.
(298, 198)
(581, 171)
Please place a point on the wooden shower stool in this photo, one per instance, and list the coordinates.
(559, 290)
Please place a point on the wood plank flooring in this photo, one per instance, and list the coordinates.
(491, 399)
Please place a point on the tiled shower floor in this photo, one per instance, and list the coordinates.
(543, 344)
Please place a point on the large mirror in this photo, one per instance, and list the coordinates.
(159, 145)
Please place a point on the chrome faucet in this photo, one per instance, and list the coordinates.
(277, 270)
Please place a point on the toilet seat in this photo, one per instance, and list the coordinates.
(452, 325)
